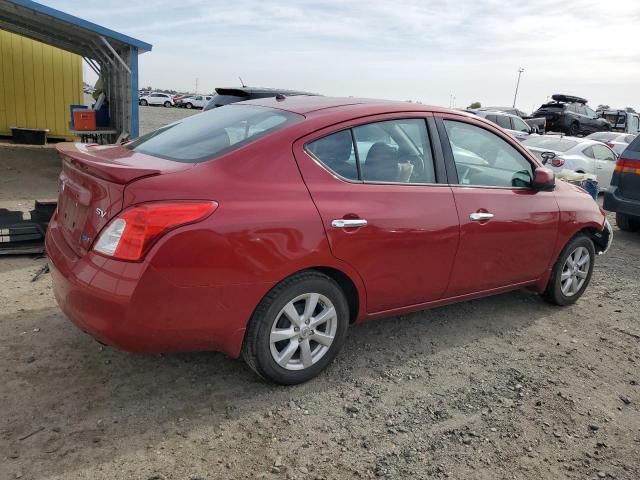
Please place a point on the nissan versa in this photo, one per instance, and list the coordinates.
(265, 228)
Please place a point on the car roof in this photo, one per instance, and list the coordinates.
(304, 105)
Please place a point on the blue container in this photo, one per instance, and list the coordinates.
(591, 186)
(102, 116)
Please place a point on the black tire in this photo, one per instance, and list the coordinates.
(188, 105)
(144, 103)
(167, 104)
(256, 349)
(626, 223)
(553, 293)
(574, 129)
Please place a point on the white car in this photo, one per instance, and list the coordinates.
(157, 98)
(513, 124)
(581, 155)
(197, 101)
(615, 141)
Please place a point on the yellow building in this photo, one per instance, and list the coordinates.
(38, 82)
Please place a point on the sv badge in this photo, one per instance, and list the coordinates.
(101, 213)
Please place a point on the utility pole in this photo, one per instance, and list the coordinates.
(196, 85)
(452, 100)
(520, 70)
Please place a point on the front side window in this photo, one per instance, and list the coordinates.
(209, 135)
(603, 153)
(484, 159)
(394, 151)
(520, 125)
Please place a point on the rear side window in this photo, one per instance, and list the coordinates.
(209, 135)
(394, 151)
(504, 122)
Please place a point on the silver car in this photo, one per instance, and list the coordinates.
(576, 154)
(513, 124)
(616, 141)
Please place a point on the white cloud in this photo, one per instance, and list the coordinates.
(419, 49)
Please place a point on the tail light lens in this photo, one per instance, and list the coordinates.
(610, 145)
(557, 161)
(625, 165)
(130, 235)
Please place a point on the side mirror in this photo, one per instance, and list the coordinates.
(546, 156)
(544, 180)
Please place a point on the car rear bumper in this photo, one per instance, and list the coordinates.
(614, 202)
(134, 307)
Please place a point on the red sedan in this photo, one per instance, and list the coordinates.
(265, 228)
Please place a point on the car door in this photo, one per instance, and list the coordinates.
(605, 160)
(379, 190)
(507, 229)
(519, 128)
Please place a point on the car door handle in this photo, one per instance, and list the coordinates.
(348, 223)
(481, 216)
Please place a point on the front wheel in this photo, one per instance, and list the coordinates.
(297, 329)
(167, 104)
(144, 103)
(572, 272)
(188, 105)
(574, 129)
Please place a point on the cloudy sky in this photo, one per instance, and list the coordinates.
(422, 50)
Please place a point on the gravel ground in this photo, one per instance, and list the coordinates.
(504, 387)
(152, 118)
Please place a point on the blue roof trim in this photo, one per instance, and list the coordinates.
(65, 17)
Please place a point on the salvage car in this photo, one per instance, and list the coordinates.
(623, 197)
(513, 124)
(195, 101)
(571, 115)
(265, 228)
(621, 120)
(576, 154)
(614, 140)
(225, 96)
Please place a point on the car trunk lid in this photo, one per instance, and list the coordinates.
(92, 184)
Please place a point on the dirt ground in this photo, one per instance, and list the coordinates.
(506, 387)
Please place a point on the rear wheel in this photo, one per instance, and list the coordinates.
(144, 103)
(189, 105)
(572, 272)
(297, 329)
(626, 223)
(574, 129)
(167, 104)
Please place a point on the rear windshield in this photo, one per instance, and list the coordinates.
(552, 106)
(221, 100)
(211, 134)
(550, 143)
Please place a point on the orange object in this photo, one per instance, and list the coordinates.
(84, 120)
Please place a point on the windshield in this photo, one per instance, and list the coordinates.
(550, 143)
(212, 134)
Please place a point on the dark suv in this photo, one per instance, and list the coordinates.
(571, 115)
(623, 196)
(225, 96)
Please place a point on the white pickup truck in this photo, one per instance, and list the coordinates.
(197, 101)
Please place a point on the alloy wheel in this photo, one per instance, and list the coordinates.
(575, 271)
(303, 331)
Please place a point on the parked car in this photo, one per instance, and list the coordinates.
(265, 228)
(511, 123)
(621, 120)
(157, 98)
(225, 96)
(538, 124)
(614, 140)
(580, 155)
(195, 101)
(571, 115)
(623, 197)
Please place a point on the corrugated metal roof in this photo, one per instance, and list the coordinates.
(51, 26)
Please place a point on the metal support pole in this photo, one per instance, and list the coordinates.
(520, 70)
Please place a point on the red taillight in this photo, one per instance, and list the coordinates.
(557, 161)
(624, 165)
(610, 145)
(130, 235)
